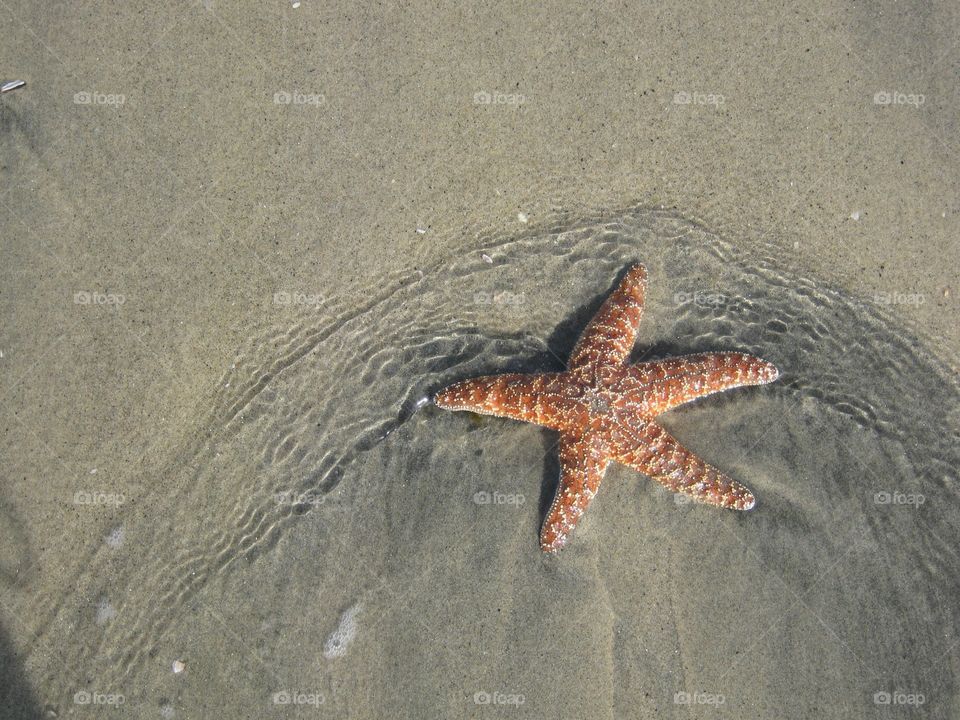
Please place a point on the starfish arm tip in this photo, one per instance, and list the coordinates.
(552, 547)
(769, 372)
(454, 397)
(552, 537)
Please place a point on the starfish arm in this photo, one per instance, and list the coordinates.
(535, 399)
(656, 453)
(655, 387)
(608, 338)
(583, 461)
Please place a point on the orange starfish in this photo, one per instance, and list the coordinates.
(604, 410)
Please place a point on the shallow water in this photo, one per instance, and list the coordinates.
(320, 530)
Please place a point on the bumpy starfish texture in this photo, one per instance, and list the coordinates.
(604, 410)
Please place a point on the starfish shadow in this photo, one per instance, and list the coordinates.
(551, 475)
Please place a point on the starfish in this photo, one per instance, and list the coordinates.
(605, 410)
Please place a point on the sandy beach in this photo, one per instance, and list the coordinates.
(243, 245)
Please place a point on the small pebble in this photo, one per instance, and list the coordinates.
(486, 258)
(523, 217)
(178, 666)
(855, 215)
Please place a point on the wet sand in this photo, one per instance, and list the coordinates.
(191, 196)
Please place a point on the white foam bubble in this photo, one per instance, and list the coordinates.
(115, 538)
(339, 640)
(105, 611)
